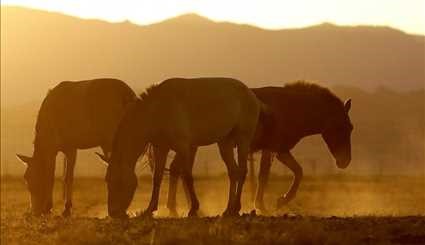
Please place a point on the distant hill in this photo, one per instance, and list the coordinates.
(40, 49)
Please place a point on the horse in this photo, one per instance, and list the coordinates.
(298, 110)
(181, 114)
(73, 115)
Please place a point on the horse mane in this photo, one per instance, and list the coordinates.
(42, 116)
(148, 151)
(305, 87)
(145, 95)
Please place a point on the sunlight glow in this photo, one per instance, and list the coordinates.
(408, 16)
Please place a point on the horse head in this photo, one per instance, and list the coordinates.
(120, 190)
(337, 135)
(37, 183)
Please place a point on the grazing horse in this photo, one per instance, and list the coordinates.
(182, 114)
(297, 110)
(74, 115)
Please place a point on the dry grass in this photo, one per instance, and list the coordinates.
(328, 210)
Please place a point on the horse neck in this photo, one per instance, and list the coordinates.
(314, 115)
(130, 131)
(46, 139)
(45, 153)
(124, 156)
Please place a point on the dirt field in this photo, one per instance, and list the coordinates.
(327, 210)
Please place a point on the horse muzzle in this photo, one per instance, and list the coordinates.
(343, 164)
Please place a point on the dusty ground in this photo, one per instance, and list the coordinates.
(327, 210)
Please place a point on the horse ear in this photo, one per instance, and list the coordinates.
(24, 159)
(105, 159)
(347, 105)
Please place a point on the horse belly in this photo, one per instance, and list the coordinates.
(210, 132)
(82, 131)
(80, 137)
(213, 124)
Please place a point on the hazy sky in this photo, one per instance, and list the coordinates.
(407, 15)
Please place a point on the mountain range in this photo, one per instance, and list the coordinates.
(40, 49)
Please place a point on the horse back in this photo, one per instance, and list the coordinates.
(277, 129)
(206, 109)
(83, 114)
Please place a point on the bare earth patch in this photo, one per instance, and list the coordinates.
(399, 217)
(243, 230)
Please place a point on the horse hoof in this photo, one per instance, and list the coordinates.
(237, 208)
(192, 213)
(145, 214)
(230, 213)
(118, 215)
(122, 217)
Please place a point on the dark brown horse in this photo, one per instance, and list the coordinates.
(298, 110)
(182, 114)
(74, 115)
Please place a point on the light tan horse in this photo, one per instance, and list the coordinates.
(74, 115)
(182, 114)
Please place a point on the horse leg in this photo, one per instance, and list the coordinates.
(226, 151)
(172, 190)
(243, 151)
(263, 177)
(186, 190)
(187, 160)
(175, 173)
(251, 176)
(50, 177)
(64, 185)
(160, 156)
(287, 159)
(70, 157)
